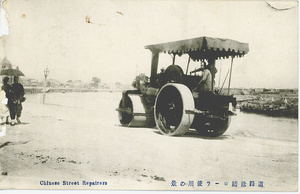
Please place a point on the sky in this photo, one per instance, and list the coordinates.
(4, 30)
(56, 34)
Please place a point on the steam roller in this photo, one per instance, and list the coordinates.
(166, 109)
(174, 99)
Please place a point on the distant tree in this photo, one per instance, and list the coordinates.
(96, 81)
(69, 81)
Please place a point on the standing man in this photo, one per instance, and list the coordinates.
(7, 88)
(18, 93)
(202, 92)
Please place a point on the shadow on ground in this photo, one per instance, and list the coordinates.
(195, 134)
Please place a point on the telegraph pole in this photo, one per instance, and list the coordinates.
(46, 73)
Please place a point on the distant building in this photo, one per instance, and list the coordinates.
(258, 90)
(105, 86)
(245, 91)
(118, 86)
(54, 82)
(235, 91)
(5, 64)
(77, 84)
(34, 82)
(286, 90)
(74, 84)
(29, 82)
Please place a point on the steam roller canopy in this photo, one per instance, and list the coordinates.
(135, 115)
(170, 108)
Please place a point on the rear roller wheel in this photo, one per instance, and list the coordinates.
(213, 127)
(170, 108)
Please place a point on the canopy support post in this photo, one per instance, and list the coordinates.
(187, 68)
(174, 55)
(230, 75)
(220, 74)
(154, 64)
(212, 68)
(223, 82)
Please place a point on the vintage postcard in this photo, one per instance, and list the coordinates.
(149, 95)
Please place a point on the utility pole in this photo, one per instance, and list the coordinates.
(46, 73)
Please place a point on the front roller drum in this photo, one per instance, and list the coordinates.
(126, 115)
(133, 113)
(170, 108)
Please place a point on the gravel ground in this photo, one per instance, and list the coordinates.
(75, 140)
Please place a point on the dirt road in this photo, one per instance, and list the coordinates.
(75, 142)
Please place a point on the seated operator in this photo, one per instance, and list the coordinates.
(205, 84)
